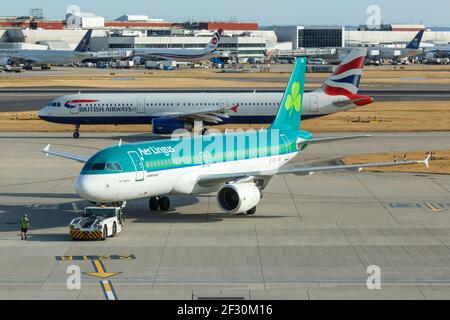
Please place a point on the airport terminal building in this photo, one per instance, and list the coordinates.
(241, 40)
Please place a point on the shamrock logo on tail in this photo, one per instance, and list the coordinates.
(294, 100)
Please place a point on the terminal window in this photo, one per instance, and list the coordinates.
(319, 38)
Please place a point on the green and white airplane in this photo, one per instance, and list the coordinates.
(238, 166)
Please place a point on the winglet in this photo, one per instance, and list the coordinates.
(235, 108)
(427, 161)
(46, 149)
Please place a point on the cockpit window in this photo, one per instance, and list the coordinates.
(106, 166)
(98, 166)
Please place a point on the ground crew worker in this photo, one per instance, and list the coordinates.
(24, 226)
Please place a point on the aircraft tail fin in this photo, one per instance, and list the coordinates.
(214, 43)
(290, 110)
(84, 43)
(348, 74)
(346, 79)
(415, 43)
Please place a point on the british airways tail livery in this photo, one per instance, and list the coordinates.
(237, 166)
(168, 112)
(344, 82)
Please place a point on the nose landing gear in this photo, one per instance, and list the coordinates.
(76, 133)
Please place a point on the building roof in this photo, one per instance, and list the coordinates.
(132, 17)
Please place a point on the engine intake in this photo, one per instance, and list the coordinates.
(5, 62)
(238, 198)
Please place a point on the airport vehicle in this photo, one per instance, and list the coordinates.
(102, 65)
(412, 50)
(46, 58)
(182, 55)
(317, 61)
(123, 64)
(97, 223)
(168, 112)
(238, 166)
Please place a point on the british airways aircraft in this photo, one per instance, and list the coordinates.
(237, 166)
(168, 112)
(182, 55)
(32, 58)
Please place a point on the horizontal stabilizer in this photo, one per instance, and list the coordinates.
(357, 101)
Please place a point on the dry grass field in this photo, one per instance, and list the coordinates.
(440, 166)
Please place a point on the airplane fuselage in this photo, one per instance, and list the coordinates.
(181, 55)
(259, 107)
(40, 57)
(173, 166)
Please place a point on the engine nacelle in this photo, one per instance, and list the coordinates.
(238, 198)
(138, 60)
(168, 126)
(5, 62)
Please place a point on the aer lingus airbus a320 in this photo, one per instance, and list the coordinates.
(238, 166)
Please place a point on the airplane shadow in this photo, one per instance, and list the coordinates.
(125, 137)
(58, 215)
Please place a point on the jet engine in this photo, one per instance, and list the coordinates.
(168, 126)
(138, 60)
(5, 62)
(238, 198)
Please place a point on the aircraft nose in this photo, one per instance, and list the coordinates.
(43, 112)
(90, 188)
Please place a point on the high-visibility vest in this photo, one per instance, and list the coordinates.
(24, 223)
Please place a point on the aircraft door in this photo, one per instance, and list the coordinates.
(74, 108)
(313, 104)
(141, 104)
(223, 103)
(138, 165)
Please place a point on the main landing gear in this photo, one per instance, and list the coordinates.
(76, 133)
(159, 203)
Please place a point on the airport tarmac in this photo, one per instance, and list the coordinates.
(312, 237)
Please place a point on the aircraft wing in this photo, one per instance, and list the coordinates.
(65, 155)
(210, 116)
(332, 139)
(215, 179)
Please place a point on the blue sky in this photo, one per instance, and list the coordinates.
(343, 12)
